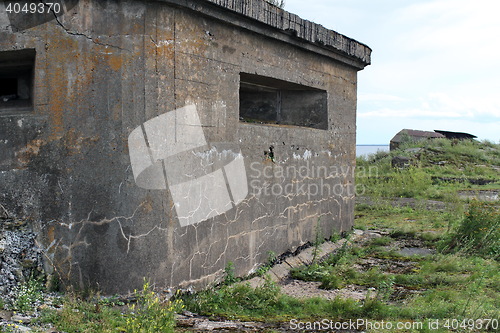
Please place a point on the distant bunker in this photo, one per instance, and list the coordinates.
(406, 136)
(165, 139)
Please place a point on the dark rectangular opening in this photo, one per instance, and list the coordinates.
(8, 87)
(265, 100)
(16, 80)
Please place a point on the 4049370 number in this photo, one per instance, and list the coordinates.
(33, 8)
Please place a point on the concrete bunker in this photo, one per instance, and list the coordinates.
(137, 157)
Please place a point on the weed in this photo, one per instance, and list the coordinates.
(335, 237)
(237, 299)
(318, 240)
(313, 272)
(332, 281)
(53, 283)
(111, 301)
(150, 314)
(9, 328)
(479, 232)
(77, 315)
(403, 234)
(271, 260)
(28, 295)
(229, 275)
(341, 255)
(382, 241)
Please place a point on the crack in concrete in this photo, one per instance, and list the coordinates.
(79, 242)
(79, 34)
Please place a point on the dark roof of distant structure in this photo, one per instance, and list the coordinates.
(415, 134)
(456, 135)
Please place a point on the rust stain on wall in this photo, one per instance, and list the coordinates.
(75, 141)
(115, 62)
(32, 149)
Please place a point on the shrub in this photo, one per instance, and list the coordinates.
(28, 294)
(229, 275)
(479, 232)
(149, 314)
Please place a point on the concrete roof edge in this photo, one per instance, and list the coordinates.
(261, 15)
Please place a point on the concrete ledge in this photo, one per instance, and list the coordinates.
(266, 19)
(281, 271)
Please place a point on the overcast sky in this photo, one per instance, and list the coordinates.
(435, 63)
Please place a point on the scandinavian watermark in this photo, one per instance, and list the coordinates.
(170, 152)
(308, 179)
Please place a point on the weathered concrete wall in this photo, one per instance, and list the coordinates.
(102, 71)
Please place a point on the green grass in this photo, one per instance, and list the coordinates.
(408, 220)
(267, 303)
(79, 315)
(93, 314)
(440, 169)
(449, 287)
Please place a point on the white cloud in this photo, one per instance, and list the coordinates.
(433, 105)
(433, 62)
(379, 97)
(409, 113)
(381, 130)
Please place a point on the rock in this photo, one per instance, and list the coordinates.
(415, 251)
(413, 150)
(255, 282)
(188, 313)
(20, 258)
(28, 263)
(358, 232)
(203, 324)
(43, 307)
(213, 325)
(5, 315)
(279, 272)
(372, 235)
(22, 329)
(20, 319)
(401, 162)
(183, 321)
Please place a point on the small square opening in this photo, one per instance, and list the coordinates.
(16, 80)
(265, 100)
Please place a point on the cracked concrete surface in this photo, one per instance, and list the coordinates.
(104, 68)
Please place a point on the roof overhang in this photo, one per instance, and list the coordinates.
(268, 20)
